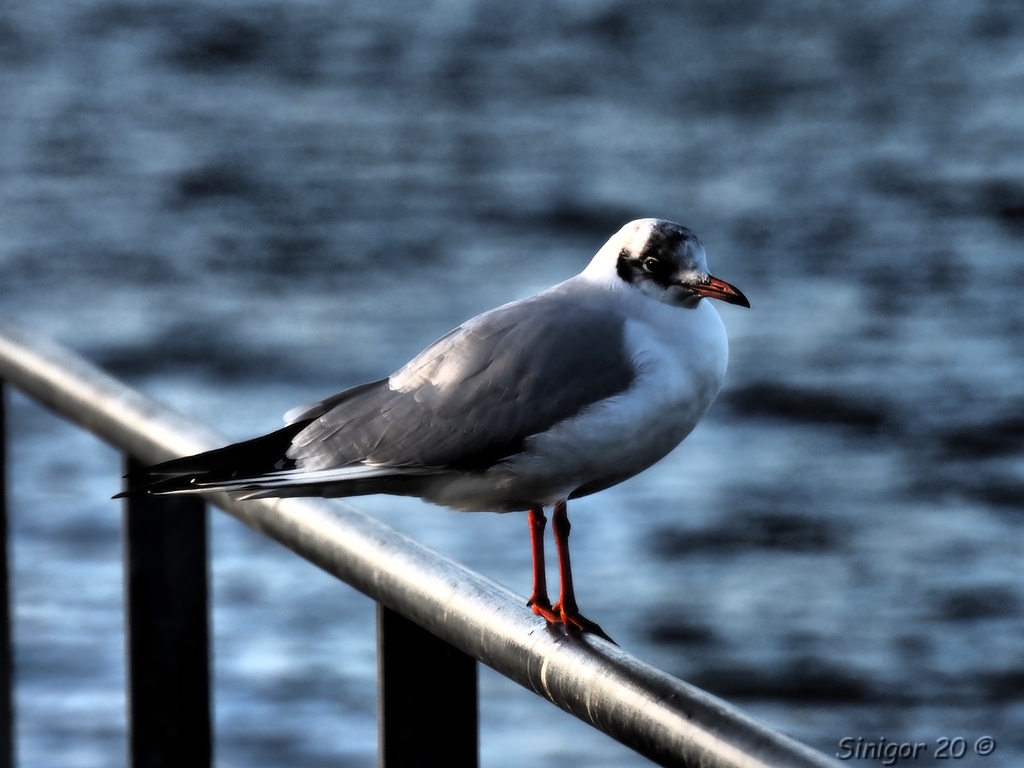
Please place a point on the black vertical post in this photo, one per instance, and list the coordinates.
(427, 698)
(168, 631)
(6, 672)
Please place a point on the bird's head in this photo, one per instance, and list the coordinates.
(663, 260)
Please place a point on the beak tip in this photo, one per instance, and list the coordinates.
(723, 291)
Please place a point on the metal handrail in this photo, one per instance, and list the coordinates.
(659, 716)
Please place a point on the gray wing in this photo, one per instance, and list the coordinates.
(475, 395)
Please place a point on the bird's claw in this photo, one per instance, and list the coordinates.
(543, 609)
(572, 621)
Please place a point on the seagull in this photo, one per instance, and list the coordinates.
(542, 400)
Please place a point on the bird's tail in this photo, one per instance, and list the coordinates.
(260, 468)
(218, 469)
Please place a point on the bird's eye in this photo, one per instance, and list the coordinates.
(651, 265)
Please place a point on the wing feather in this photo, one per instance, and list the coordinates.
(476, 395)
(470, 399)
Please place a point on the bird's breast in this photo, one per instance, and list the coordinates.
(680, 358)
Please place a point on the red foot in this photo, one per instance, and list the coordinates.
(543, 608)
(573, 622)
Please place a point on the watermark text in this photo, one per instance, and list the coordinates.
(892, 752)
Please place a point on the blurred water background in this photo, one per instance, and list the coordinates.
(243, 206)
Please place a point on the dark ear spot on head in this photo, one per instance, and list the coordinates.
(625, 267)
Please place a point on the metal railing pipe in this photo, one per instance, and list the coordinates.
(659, 716)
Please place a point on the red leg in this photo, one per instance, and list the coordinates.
(539, 601)
(566, 607)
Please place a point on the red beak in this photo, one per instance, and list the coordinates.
(719, 289)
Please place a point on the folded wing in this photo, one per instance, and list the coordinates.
(471, 399)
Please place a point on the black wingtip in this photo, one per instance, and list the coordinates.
(250, 458)
(157, 487)
(137, 483)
